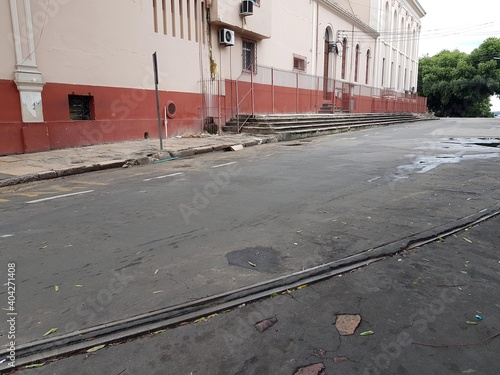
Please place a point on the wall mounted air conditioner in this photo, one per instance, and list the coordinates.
(246, 8)
(226, 37)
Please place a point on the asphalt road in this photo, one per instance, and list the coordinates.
(98, 247)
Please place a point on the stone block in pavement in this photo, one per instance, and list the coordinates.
(315, 369)
(347, 324)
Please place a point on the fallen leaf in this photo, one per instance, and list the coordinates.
(156, 272)
(78, 286)
(416, 283)
(212, 316)
(159, 331)
(44, 247)
(56, 288)
(95, 348)
(43, 243)
(467, 240)
(35, 365)
(252, 264)
(158, 291)
(50, 331)
(203, 319)
(274, 295)
(302, 286)
(471, 323)
(366, 333)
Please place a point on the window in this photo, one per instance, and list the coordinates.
(249, 56)
(80, 107)
(299, 63)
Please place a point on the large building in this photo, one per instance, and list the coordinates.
(76, 73)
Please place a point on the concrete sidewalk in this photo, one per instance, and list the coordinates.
(431, 310)
(15, 169)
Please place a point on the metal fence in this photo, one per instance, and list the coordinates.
(271, 90)
(275, 91)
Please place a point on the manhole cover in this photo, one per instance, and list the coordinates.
(262, 259)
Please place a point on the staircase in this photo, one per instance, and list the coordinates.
(295, 126)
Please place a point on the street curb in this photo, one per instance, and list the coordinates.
(51, 174)
(141, 160)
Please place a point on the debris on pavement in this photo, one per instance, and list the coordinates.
(315, 369)
(265, 324)
(366, 333)
(346, 324)
(340, 359)
(95, 348)
(50, 331)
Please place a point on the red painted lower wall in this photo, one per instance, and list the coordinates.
(122, 114)
(119, 114)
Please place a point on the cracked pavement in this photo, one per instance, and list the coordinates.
(417, 304)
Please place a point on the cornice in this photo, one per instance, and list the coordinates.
(349, 17)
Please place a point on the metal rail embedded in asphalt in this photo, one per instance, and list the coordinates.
(124, 329)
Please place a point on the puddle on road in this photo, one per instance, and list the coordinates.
(455, 150)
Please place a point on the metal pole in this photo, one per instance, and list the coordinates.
(155, 68)
(251, 83)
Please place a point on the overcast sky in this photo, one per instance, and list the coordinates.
(459, 24)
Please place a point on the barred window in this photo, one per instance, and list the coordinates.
(249, 56)
(80, 107)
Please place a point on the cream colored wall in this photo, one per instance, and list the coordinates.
(227, 12)
(8, 57)
(291, 34)
(106, 43)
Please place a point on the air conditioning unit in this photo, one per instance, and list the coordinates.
(226, 37)
(246, 8)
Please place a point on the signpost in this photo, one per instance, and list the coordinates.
(155, 68)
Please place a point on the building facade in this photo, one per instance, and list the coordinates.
(76, 73)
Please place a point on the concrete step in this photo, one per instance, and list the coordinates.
(314, 124)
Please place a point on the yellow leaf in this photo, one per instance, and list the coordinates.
(95, 348)
(35, 365)
(302, 286)
(200, 320)
(78, 286)
(56, 288)
(159, 331)
(156, 271)
(366, 333)
(50, 331)
(467, 240)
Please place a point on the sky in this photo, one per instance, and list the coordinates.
(459, 24)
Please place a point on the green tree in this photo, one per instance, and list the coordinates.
(460, 85)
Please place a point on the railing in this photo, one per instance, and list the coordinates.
(279, 91)
(239, 102)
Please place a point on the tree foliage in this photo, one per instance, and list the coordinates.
(457, 84)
